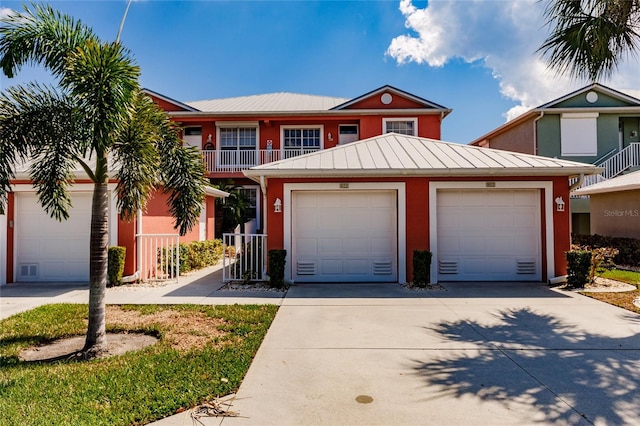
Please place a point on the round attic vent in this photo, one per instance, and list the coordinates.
(592, 97)
(386, 98)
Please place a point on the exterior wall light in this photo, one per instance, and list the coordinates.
(559, 204)
(277, 206)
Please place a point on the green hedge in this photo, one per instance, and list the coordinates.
(628, 248)
(115, 268)
(193, 256)
(277, 260)
(421, 267)
(578, 268)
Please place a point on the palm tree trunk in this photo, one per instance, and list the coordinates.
(96, 340)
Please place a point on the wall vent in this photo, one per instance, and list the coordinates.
(526, 267)
(447, 267)
(382, 268)
(28, 270)
(306, 268)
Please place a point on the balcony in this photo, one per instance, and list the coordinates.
(234, 161)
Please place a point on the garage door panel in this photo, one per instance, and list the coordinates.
(487, 235)
(48, 250)
(356, 236)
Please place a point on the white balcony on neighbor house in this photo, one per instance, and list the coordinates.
(233, 161)
(614, 165)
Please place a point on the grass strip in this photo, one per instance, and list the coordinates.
(134, 388)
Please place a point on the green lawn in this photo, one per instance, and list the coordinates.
(628, 277)
(203, 352)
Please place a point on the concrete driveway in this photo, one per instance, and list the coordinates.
(481, 353)
(376, 354)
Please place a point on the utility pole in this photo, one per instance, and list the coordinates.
(124, 17)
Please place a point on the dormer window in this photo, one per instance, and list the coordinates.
(403, 126)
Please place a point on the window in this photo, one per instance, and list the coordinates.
(252, 208)
(579, 134)
(237, 145)
(403, 126)
(235, 138)
(347, 133)
(192, 136)
(301, 140)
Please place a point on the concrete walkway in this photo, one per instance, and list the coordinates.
(376, 354)
(201, 287)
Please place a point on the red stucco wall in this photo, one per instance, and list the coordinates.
(417, 214)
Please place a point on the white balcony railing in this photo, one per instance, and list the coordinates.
(231, 161)
(614, 165)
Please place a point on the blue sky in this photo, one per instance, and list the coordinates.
(476, 57)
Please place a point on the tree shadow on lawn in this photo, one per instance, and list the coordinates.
(535, 360)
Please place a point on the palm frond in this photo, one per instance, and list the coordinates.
(40, 36)
(182, 175)
(136, 156)
(41, 124)
(589, 38)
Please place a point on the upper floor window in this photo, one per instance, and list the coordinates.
(238, 138)
(301, 140)
(403, 126)
(579, 134)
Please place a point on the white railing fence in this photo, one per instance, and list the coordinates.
(158, 256)
(628, 157)
(232, 161)
(245, 257)
(613, 166)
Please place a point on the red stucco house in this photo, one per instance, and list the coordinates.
(356, 213)
(37, 248)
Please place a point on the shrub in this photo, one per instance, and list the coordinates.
(421, 267)
(628, 248)
(578, 267)
(193, 256)
(277, 260)
(115, 268)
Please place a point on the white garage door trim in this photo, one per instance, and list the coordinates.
(77, 188)
(547, 186)
(399, 187)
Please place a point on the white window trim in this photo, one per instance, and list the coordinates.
(547, 186)
(401, 239)
(306, 126)
(391, 119)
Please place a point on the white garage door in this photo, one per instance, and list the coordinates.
(48, 250)
(348, 236)
(489, 235)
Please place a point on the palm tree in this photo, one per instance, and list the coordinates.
(590, 37)
(99, 119)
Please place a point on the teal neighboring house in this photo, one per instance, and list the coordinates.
(595, 124)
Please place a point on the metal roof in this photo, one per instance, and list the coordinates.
(270, 102)
(401, 155)
(626, 182)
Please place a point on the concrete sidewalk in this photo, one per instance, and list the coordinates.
(476, 354)
(201, 287)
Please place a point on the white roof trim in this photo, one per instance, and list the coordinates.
(627, 182)
(214, 192)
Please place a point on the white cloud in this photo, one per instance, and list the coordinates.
(5, 11)
(503, 35)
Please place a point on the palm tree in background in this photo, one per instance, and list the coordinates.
(590, 37)
(97, 119)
